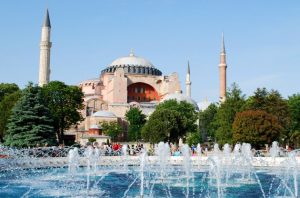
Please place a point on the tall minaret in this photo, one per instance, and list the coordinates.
(45, 45)
(188, 82)
(222, 69)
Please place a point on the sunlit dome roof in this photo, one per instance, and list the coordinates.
(106, 114)
(180, 97)
(203, 105)
(131, 60)
(133, 65)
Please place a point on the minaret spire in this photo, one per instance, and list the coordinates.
(223, 44)
(188, 82)
(131, 52)
(222, 71)
(47, 20)
(45, 46)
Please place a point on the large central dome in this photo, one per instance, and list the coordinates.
(133, 65)
(131, 60)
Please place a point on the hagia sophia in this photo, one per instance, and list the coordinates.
(129, 81)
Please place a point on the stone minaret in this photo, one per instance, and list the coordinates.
(45, 45)
(188, 82)
(222, 69)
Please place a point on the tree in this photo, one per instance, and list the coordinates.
(163, 125)
(30, 122)
(294, 109)
(272, 103)
(91, 139)
(170, 121)
(136, 120)
(206, 125)
(112, 129)
(64, 102)
(7, 88)
(226, 114)
(187, 113)
(256, 127)
(193, 138)
(9, 94)
(6, 106)
(295, 139)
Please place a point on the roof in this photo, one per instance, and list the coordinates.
(86, 136)
(180, 97)
(95, 126)
(92, 80)
(105, 114)
(203, 105)
(132, 64)
(131, 60)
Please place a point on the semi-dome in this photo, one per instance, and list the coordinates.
(133, 65)
(180, 97)
(106, 114)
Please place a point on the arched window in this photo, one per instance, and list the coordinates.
(141, 92)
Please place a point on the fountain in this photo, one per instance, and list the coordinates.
(88, 172)
(142, 166)
(274, 150)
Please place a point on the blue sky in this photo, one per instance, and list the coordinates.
(262, 40)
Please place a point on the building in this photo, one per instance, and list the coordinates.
(129, 81)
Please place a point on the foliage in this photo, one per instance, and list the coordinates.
(206, 125)
(163, 125)
(112, 129)
(6, 106)
(136, 120)
(64, 102)
(30, 122)
(170, 121)
(294, 109)
(256, 127)
(193, 138)
(91, 139)
(7, 88)
(187, 113)
(9, 94)
(273, 103)
(295, 139)
(226, 114)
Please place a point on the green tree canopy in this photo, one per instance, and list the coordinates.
(294, 109)
(136, 120)
(7, 88)
(187, 113)
(64, 102)
(170, 121)
(193, 138)
(224, 118)
(6, 106)
(30, 122)
(163, 125)
(256, 127)
(112, 129)
(272, 103)
(206, 124)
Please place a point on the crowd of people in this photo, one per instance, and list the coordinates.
(116, 149)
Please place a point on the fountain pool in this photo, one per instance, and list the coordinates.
(88, 174)
(58, 182)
